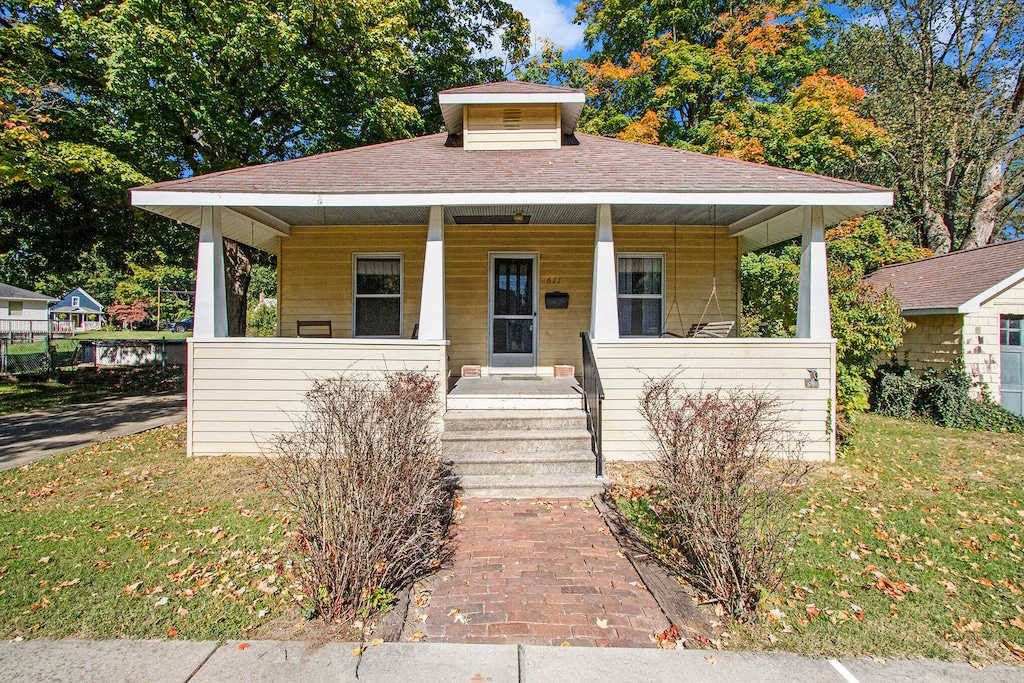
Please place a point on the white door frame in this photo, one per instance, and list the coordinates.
(491, 257)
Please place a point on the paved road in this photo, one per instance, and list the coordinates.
(27, 437)
(204, 662)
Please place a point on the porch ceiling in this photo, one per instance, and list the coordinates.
(758, 225)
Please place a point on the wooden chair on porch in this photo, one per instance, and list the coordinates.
(718, 329)
(316, 329)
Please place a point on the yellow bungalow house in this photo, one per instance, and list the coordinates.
(510, 247)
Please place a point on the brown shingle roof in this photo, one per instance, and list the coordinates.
(950, 281)
(426, 165)
(508, 88)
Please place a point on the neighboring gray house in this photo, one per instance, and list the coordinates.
(22, 312)
(77, 312)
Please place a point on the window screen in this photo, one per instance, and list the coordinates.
(641, 295)
(378, 296)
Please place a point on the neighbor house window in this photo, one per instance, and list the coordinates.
(1011, 330)
(75, 302)
(641, 287)
(378, 295)
(15, 308)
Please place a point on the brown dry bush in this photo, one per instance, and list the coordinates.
(371, 495)
(724, 486)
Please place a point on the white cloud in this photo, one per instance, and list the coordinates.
(552, 20)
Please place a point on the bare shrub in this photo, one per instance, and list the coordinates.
(724, 483)
(372, 497)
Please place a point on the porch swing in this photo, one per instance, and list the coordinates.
(714, 329)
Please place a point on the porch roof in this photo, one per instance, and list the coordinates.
(394, 183)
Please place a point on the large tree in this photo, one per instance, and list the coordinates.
(158, 89)
(946, 79)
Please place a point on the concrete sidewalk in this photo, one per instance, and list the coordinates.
(27, 437)
(265, 661)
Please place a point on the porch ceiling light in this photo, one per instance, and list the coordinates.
(519, 218)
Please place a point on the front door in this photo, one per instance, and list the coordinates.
(513, 314)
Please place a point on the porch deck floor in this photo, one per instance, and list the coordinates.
(517, 386)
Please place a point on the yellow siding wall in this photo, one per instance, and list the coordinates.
(690, 257)
(244, 391)
(315, 273)
(315, 278)
(511, 126)
(981, 337)
(933, 342)
(776, 366)
(566, 256)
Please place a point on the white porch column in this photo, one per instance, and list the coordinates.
(211, 312)
(812, 313)
(432, 323)
(604, 307)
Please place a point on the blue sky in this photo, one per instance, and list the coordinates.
(552, 19)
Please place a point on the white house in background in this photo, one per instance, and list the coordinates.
(77, 311)
(483, 255)
(966, 306)
(22, 313)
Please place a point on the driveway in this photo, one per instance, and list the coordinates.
(27, 437)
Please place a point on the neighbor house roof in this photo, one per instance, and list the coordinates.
(426, 165)
(86, 303)
(19, 294)
(953, 283)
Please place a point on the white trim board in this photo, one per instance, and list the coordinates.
(512, 98)
(158, 198)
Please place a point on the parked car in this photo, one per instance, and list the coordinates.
(147, 325)
(185, 325)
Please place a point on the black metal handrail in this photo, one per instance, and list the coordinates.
(593, 397)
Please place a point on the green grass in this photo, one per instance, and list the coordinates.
(21, 397)
(131, 539)
(916, 528)
(132, 334)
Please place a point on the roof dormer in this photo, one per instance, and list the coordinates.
(511, 115)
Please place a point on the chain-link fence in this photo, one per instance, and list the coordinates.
(38, 356)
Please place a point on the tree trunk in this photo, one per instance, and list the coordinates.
(938, 235)
(237, 273)
(990, 199)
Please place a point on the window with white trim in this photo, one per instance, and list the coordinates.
(76, 302)
(378, 295)
(641, 290)
(1011, 330)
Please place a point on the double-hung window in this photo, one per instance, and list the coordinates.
(1011, 330)
(15, 308)
(641, 289)
(378, 295)
(76, 302)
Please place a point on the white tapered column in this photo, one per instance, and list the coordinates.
(812, 313)
(604, 310)
(211, 312)
(432, 325)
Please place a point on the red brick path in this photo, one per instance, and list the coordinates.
(539, 573)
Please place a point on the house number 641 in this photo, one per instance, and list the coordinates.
(554, 280)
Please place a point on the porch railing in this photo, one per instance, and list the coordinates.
(593, 396)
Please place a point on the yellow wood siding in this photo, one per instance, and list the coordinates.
(777, 366)
(934, 341)
(565, 264)
(511, 126)
(315, 273)
(982, 355)
(690, 257)
(244, 391)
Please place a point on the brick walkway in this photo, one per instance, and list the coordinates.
(537, 573)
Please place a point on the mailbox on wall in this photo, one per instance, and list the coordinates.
(556, 300)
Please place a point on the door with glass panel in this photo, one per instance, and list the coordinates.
(513, 314)
(1011, 344)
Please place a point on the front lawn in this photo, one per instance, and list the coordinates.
(133, 334)
(130, 539)
(911, 546)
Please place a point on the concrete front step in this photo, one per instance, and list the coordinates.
(512, 442)
(505, 402)
(569, 463)
(532, 486)
(489, 420)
